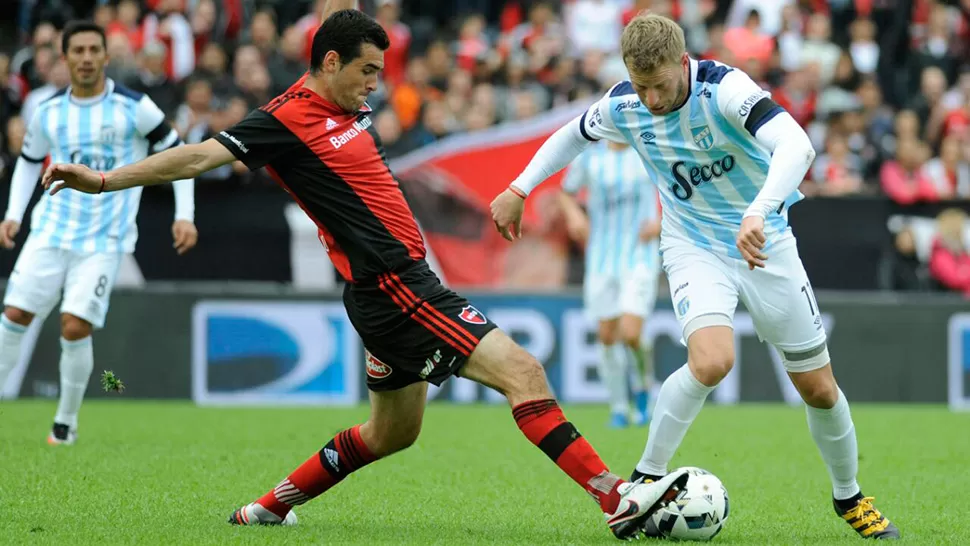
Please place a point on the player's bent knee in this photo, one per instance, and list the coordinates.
(18, 316)
(74, 328)
(526, 379)
(500, 363)
(710, 348)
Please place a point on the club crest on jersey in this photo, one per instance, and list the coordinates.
(375, 368)
(472, 316)
(703, 137)
(682, 306)
(107, 134)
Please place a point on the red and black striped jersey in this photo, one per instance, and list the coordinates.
(332, 163)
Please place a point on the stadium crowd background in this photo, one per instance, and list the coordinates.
(881, 86)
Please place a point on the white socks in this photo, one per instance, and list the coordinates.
(77, 362)
(11, 336)
(681, 399)
(834, 434)
(612, 369)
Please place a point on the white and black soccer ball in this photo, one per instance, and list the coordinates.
(698, 512)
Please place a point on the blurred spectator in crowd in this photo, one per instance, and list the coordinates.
(396, 57)
(15, 128)
(57, 77)
(167, 24)
(214, 66)
(9, 98)
(863, 48)
(126, 23)
(932, 85)
(818, 47)
(902, 178)
(153, 79)
(594, 25)
(123, 67)
(22, 65)
(748, 42)
(262, 33)
(286, 64)
(904, 269)
(838, 171)
(948, 175)
(950, 259)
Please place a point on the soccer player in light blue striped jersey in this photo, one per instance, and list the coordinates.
(728, 161)
(77, 241)
(620, 229)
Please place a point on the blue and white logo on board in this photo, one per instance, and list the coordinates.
(958, 365)
(274, 352)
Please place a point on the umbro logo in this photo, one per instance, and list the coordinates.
(331, 124)
(332, 457)
(647, 136)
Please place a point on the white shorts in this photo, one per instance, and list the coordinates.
(778, 297)
(42, 272)
(607, 297)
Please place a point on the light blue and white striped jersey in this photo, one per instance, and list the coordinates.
(703, 157)
(113, 129)
(620, 199)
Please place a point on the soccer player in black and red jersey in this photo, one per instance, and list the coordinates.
(317, 141)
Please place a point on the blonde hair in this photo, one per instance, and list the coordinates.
(950, 224)
(651, 41)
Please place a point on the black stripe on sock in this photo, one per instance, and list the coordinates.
(350, 449)
(536, 407)
(559, 439)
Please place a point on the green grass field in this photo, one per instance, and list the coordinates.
(171, 473)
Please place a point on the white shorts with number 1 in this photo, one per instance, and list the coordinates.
(705, 287)
(41, 272)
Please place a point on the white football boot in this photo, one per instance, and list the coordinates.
(639, 500)
(255, 514)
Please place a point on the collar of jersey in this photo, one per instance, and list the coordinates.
(365, 109)
(109, 87)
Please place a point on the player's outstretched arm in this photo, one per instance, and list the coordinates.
(557, 152)
(173, 164)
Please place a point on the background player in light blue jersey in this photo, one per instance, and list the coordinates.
(77, 241)
(728, 161)
(620, 229)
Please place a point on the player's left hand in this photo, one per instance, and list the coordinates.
(507, 214)
(751, 240)
(185, 236)
(649, 231)
(78, 177)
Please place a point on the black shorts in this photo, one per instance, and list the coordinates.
(413, 328)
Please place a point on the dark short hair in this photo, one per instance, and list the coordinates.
(345, 32)
(77, 27)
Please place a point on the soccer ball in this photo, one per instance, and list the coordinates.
(698, 512)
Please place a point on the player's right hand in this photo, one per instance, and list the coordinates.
(77, 177)
(507, 214)
(8, 231)
(751, 241)
(578, 229)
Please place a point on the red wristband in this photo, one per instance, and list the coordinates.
(102, 182)
(518, 192)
